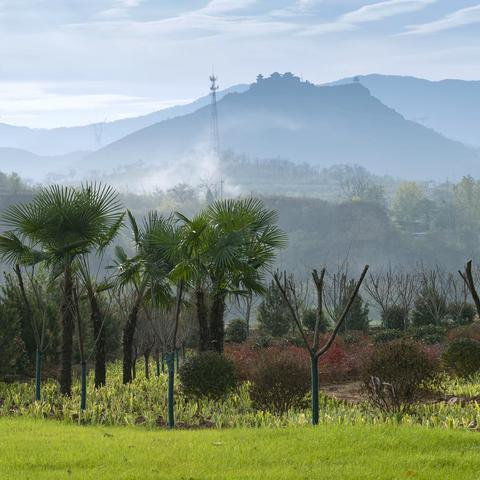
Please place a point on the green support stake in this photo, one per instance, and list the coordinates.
(38, 375)
(171, 379)
(314, 370)
(83, 398)
(177, 360)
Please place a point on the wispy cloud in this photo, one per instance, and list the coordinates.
(216, 17)
(299, 7)
(33, 104)
(459, 18)
(373, 12)
(378, 11)
(215, 7)
(119, 9)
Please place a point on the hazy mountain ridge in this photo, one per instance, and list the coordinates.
(38, 168)
(451, 107)
(63, 140)
(322, 125)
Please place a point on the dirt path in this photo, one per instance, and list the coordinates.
(349, 391)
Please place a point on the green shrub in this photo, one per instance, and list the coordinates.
(395, 317)
(280, 380)
(387, 335)
(236, 331)
(294, 339)
(427, 334)
(273, 315)
(393, 375)
(463, 356)
(430, 308)
(461, 313)
(262, 340)
(309, 319)
(207, 374)
(13, 358)
(357, 317)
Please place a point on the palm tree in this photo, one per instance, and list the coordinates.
(226, 249)
(64, 223)
(23, 260)
(94, 289)
(145, 274)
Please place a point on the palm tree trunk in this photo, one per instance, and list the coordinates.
(201, 310)
(146, 358)
(67, 313)
(217, 325)
(157, 363)
(128, 334)
(38, 375)
(99, 337)
(171, 385)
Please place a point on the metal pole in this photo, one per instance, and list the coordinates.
(38, 373)
(314, 370)
(83, 398)
(171, 379)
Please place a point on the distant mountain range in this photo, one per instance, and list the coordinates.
(60, 141)
(451, 107)
(377, 121)
(281, 116)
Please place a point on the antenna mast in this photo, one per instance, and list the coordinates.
(98, 134)
(214, 118)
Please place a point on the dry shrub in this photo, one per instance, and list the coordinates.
(280, 380)
(394, 373)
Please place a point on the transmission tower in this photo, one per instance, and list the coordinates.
(98, 134)
(214, 118)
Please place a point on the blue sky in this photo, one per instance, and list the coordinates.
(68, 62)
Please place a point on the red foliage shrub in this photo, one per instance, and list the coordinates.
(342, 362)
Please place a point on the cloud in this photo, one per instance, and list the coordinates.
(378, 11)
(217, 17)
(28, 103)
(215, 7)
(373, 12)
(459, 18)
(119, 8)
(299, 7)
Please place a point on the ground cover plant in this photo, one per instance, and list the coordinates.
(143, 403)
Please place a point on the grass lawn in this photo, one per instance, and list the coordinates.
(41, 450)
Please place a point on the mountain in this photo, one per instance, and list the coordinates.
(60, 141)
(282, 116)
(38, 168)
(451, 107)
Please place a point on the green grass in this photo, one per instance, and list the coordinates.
(39, 449)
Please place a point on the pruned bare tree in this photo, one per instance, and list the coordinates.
(144, 342)
(469, 280)
(381, 287)
(243, 306)
(291, 296)
(337, 293)
(437, 290)
(406, 290)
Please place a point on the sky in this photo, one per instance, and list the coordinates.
(73, 62)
